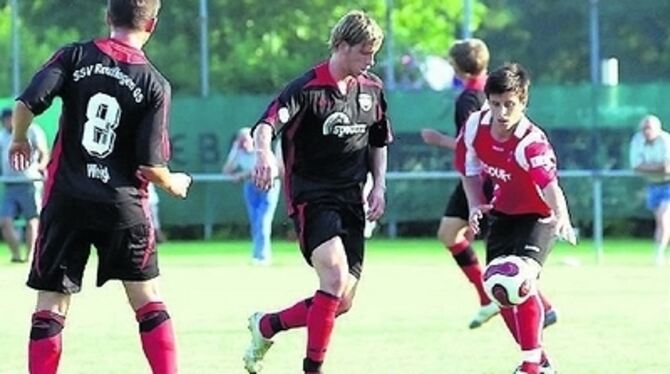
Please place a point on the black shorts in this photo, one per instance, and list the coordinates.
(319, 221)
(458, 202)
(63, 248)
(521, 235)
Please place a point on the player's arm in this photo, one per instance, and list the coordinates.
(40, 144)
(555, 198)
(280, 114)
(380, 136)
(45, 85)
(153, 147)
(539, 159)
(20, 148)
(438, 139)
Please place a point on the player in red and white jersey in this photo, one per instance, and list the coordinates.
(528, 209)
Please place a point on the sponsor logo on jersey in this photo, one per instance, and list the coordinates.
(96, 171)
(339, 124)
(545, 161)
(283, 114)
(365, 101)
(497, 173)
(112, 72)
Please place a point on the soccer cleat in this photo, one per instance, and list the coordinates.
(258, 347)
(550, 317)
(531, 368)
(485, 313)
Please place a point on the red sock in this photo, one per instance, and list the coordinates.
(509, 316)
(289, 318)
(530, 316)
(157, 337)
(45, 344)
(467, 260)
(320, 322)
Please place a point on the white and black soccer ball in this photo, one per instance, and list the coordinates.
(509, 280)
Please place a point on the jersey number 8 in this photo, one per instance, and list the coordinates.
(103, 113)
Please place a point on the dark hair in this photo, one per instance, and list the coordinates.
(132, 14)
(6, 113)
(511, 77)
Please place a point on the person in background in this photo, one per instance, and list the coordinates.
(23, 196)
(650, 157)
(260, 204)
(154, 201)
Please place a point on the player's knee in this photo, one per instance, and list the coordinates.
(45, 325)
(334, 279)
(451, 232)
(151, 315)
(345, 305)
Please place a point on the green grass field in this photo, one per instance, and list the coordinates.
(410, 315)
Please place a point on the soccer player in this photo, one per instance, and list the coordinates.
(334, 130)
(112, 141)
(22, 197)
(528, 209)
(470, 59)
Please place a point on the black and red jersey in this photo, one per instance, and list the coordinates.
(326, 133)
(114, 119)
(470, 100)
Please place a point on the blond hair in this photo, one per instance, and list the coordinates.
(354, 28)
(469, 56)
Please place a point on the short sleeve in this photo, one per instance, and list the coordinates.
(152, 145)
(535, 155)
(381, 133)
(284, 108)
(48, 82)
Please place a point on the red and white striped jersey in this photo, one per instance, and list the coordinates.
(520, 166)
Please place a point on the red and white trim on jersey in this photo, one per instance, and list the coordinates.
(520, 166)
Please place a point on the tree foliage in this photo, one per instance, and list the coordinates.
(258, 45)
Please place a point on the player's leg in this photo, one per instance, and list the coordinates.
(56, 272)
(30, 208)
(252, 198)
(48, 320)
(31, 236)
(8, 212)
(452, 234)
(129, 254)
(535, 239)
(155, 325)
(662, 215)
(330, 263)
(266, 210)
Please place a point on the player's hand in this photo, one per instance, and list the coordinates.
(431, 136)
(265, 170)
(565, 231)
(179, 184)
(476, 215)
(19, 154)
(376, 203)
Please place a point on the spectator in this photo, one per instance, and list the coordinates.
(261, 205)
(650, 157)
(154, 200)
(22, 197)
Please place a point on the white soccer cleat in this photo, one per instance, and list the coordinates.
(258, 347)
(485, 313)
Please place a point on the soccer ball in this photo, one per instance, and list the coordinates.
(509, 280)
